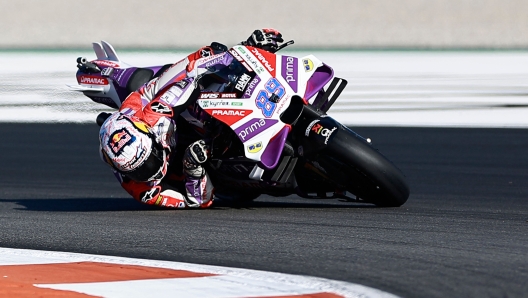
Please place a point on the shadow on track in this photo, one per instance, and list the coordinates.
(297, 203)
(129, 204)
(80, 205)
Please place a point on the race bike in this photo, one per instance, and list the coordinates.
(266, 122)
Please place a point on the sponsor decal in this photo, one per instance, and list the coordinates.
(308, 65)
(289, 71)
(250, 59)
(317, 128)
(119, 139)
(251, 87)
(152, 194)
(215, 95)
(242, 82)
(237, 103)
(105, 63)
(307, 132)
(236, 55)
(229, 112)
(327, 133)
(254, 127)
(263, 57)
(213, 62)
(228, 116)
(282, 104)
(92, 80)
(254, 148)
(205, 52)
(209, 95)
(161, 108)
(228, 95)
(213, 103)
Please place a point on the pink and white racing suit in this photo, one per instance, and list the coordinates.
(158, 103)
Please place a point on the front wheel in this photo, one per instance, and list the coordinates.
(353, 163)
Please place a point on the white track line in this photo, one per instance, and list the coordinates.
(447, 89)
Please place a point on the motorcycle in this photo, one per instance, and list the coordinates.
(267, 125)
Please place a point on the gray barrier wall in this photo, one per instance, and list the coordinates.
(330, 24)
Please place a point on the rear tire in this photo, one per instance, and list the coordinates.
(353, 163)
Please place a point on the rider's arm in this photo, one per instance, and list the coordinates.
(180, 192)
(177, 71)
(162, 194)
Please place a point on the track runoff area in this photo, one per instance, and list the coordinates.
(31, 273)
(424, 89)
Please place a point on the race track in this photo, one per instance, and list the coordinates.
(463, 232)
(454, 122)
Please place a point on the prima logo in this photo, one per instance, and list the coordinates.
(252, 85)
(213, 62)
(289, 70)
(253, 128)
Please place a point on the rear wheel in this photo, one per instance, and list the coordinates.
(354, 164)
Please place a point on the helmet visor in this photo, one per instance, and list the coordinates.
(151, 169)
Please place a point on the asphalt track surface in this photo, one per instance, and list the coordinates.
(463, 232)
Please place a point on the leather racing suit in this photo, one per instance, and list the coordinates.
(158, 103)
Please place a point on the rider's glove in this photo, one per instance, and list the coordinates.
(213, 49)
(207, 51)
(193, 158)
(218, 47)
(267, 39)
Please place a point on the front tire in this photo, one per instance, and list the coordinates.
(352, 162)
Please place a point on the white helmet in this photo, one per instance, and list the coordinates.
(130, 147)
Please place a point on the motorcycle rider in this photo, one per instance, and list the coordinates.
(140, 143)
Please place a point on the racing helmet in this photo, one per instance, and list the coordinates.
(130, 147)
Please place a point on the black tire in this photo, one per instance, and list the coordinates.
(353, 163)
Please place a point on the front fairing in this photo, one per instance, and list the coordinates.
(258, 88)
